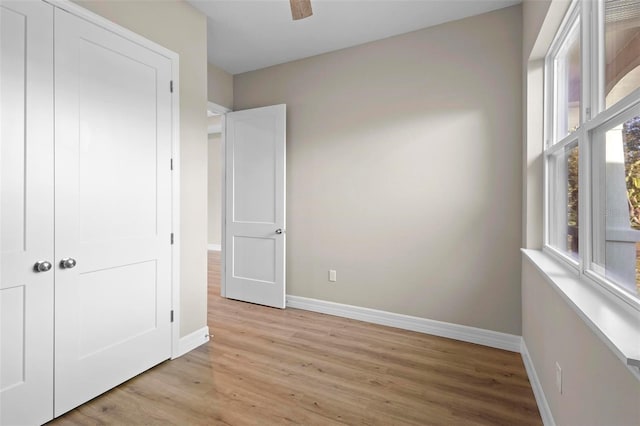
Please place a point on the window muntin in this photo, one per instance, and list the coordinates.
(616, 201)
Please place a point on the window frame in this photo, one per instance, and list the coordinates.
(593, 118)
(552, 144)
(622, 110)
(552, 83)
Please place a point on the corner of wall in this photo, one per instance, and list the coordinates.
(219, 86)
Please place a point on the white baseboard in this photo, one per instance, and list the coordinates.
(464, 333)
(214, 247)
(541, 400)
(192, 341)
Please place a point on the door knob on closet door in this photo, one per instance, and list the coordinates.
(42, 266)
(67, 263)
(279, 231)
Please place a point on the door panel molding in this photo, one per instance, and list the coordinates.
(254, 200)
(39, 109)
(98, 20)
(26, 296)
(112, 210)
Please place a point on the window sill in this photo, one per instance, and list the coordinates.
(615, 322)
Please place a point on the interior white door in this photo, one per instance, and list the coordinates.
(26, 212)
(112, 210)
(255, 205)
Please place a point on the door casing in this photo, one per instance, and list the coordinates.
(219, 109)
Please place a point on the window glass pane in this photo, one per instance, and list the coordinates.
(563, 212)
(568, 86)
(617, 235)
(622, 48)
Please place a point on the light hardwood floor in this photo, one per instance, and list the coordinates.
(268, 367)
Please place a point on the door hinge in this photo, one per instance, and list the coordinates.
(171, 86)
(172, 164)
(172, 238)
(172, 316)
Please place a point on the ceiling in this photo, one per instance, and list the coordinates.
(245, 35)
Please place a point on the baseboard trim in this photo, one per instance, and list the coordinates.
(464, 333)
(538, 392)
(214, 247)
(192, 341)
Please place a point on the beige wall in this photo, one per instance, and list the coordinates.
(220, 86)
(534, 13)
(404, 171)
(181, 28)
(597, 388)
(215, 189)
(540, 20)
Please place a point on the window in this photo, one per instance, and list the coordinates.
(616, 200)
(621, 47)
(563, 199)
(566, 65)
(592, 154)
(564, 74)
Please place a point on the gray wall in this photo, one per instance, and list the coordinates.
(181, 28)
(404, 171)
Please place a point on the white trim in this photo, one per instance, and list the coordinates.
(609, 317)
(176, 249)
(214, 128)
(214, 247)
(87, 15)
(538, 392)
(464, 333)
(96, 19)
(215, 109)
(223, 206)
(192, 341)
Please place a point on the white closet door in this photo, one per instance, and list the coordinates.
(26, 212)
(112, 210)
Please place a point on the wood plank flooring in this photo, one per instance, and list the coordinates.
(269, 367)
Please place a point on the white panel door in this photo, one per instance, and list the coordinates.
(26, 212)
(255, 205)
(112, 210)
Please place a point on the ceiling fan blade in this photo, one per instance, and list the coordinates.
(300, 9)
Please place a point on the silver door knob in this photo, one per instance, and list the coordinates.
(67, 263)
(42, 266)
(279, 231)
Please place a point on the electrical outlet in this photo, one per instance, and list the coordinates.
(559, 378)
(332, 275)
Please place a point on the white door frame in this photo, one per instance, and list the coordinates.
(87, 15)
(221, 110)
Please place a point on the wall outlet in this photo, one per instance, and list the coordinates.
(332, 275)
(559, 378)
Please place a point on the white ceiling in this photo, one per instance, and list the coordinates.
(245, 35)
